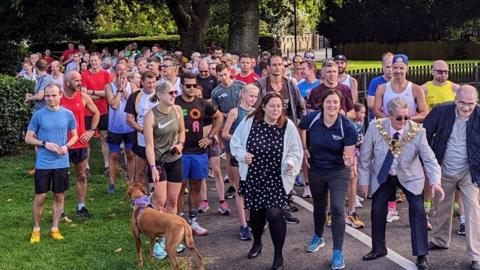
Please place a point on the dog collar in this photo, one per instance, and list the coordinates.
(143, 201)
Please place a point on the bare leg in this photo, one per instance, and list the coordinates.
(130, 160)
(180, 203)
(81, 170)
(159, 195)
(37, 208)
(238, 199)
(140, 171)
(217, 176)
(172, 196)
(114, 156)
(57, 208)
(105, 151)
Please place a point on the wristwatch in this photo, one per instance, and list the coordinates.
(44, 143)
(211, 137)
(93, 129)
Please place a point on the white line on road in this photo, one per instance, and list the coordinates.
(392, 255)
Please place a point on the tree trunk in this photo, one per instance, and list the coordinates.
(243, 27)
(191, 18)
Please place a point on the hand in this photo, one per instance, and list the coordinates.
(27, 97)
(155, 174)
(52, 147)
(86, 136)
(178, 148)
(364, 190)
(62, 150)
(205, 142)
(348, 160)
(289, 169)
(248, 158)
(438, 188)
(306, 156)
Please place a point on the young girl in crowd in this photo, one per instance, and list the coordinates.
(248, 97)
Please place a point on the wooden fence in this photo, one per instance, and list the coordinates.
(458, 73)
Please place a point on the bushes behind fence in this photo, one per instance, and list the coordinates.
(14, 113)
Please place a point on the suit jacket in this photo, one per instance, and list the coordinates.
(410, 172)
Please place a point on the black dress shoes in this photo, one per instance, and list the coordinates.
(255, 251)
(422, 263)
(432, 246)
(373, 255)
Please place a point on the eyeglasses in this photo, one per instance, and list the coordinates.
(309, 56)
(188, 86)
(400, 118)
(465, 104)
(203, 71)
(165, 66)
(440, 72)
(286, 65)
(172, 93)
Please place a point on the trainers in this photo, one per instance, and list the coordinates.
(316, 243)
(186, 191)
(203, 207)
(354, 221)
(82, 213)
(55, 233)
(337, 259)
(35, 238)
(245, 234)
(427, 206)
(290, 219)
(210, 173)
(392, 215)
(291, 208)
(360, 199)
(329, 220)
(461, 230)
(180, 248)
(197, 230)
(230, 192)
(106, 171)
(306, 192)
(159, 250)
(223, 209)
(299, 181)
(111, 189)
(358, 204)
(64, 217)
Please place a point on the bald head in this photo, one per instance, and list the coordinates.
(440, 71)
(203, 70)
(466, 100)
(467, 91)
(72, 81)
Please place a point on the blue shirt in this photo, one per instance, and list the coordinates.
(326, 144)
(305, 86)
(52, 126)
(40, 85)
(372, 89)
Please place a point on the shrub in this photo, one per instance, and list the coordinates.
(14, 113)
(166, 41)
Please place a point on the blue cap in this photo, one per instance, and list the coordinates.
(400, 58)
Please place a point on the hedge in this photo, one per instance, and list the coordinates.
(14, 113)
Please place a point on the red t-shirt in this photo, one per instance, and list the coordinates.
(316, 94)
(97, 81)
(76, 106)
(66, 54)
(248, 79)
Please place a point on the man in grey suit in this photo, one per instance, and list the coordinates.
(396, 145)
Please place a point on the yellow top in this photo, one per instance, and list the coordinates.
(437, 95)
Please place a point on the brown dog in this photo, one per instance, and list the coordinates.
(153, 223)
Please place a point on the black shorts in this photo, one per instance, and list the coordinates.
(55, 180)
(102, 124)
(139, 151)
(214, 149)
(170, 171)
(77, 155)
(233, 161)
(114, 140)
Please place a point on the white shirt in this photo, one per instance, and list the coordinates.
(393, 169)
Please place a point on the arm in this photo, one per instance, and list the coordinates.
(73, 139)
(181, 130)
(31, 138)
(378, 104)
(370, 101)
(366, 157)
(431, 124)
(87, 135)
(422, 108)
(301, 108)
(232, 116)
(238, 140)
(354, 90)
(294, 156)
(432, 169)
(149, 145)
(217, 118)
(37, 96)
(113, 100)
(131, 122)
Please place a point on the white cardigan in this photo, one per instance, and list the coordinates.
(292, 151)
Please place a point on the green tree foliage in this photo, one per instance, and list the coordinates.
(124, 17)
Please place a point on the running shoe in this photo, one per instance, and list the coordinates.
(306, 192)
(358, 204)
(290, 219)
(198, 230)
(316, 243)
(337, 259)
(159, 250)
(203, 207)
(106, 171)
(245, 234)
(392, 215)
(111, 189)
(35, 238)
(299, 181)
(223, 209)
(55, 233)
(230, 193)
(83, 213)
(461, 230)
(354, 221)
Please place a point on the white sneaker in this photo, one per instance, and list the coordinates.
(392, 215)
(358, 204)
(197, 230)
(306, 192)
(360, 198)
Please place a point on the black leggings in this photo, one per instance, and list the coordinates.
(277, 226)
(337, 184)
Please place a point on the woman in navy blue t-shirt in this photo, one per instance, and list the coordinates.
(330, 157)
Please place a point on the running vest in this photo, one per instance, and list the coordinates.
(347, 82)
(117, 119)
(407, 94)
(439, 94)
(76, 106)
(142, 106)
(165, 134)
(242, 113)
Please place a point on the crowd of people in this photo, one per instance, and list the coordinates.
(277, 123)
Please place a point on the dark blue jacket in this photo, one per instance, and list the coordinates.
(439, 124)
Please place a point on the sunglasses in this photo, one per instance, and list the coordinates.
(172, 93)
(439, 71)
(203, 71)
(400, 118)
(287, 65)
(188, 86)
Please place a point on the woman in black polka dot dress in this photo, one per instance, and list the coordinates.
(268, 148)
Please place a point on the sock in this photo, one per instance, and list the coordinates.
(36, 229)
(192, 214)
(350, 212)
(392, 205)
(462, 219)
(80, 206)
(54, 228)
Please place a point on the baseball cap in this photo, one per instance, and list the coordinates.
(309, 55)
(400, 58)
(340, 57)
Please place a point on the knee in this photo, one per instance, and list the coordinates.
(337, 210)
(129, 155)
(59, 198)
(274, 215)
(40, 198)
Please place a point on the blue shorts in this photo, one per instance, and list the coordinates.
(195, 166)
(115, 140)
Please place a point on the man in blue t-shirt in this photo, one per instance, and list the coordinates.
(375, 82)
(310, 81)
(48, 131)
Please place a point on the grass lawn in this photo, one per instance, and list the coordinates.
(103, 242)
(355, 64)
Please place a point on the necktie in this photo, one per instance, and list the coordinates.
(387, 163)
